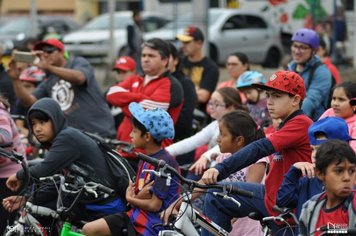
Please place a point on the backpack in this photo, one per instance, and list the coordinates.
(118, 166)
(333, 81)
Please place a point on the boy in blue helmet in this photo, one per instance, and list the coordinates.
(295, 191)
(256, 98)
(317, 77)
(149, 195)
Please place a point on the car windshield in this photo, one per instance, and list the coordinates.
(187, 20)
(21, 25)
(102, 22)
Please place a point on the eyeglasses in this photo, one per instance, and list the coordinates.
(216, 105)
(232, 64)
(300, 47)
(49, 49)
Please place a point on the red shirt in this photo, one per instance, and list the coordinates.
(291, 144)
(336, 218)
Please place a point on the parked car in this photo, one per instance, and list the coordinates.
(92, 41)
(14, 31)
(233, 30)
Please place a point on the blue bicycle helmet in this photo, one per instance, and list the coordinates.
(307, 36)
(250, 77)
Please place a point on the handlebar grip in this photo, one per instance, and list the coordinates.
(106, 189)
(280, 210)
(156, 162)
(242, 192)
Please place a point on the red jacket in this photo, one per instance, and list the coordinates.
(164, 92)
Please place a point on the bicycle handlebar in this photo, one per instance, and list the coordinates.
(90, 187)
(127, 147)
(162, 166)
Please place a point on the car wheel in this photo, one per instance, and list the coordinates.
(273, 58)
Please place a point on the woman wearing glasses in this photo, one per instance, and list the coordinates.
(222, 101)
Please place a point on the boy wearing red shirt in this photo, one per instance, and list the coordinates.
(289, 144)
(334, 209)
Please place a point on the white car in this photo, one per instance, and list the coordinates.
(92, 40)
(232, 30)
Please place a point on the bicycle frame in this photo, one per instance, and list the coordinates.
(67, 230)
(187, 215)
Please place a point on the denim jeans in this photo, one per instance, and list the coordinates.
(221, 211)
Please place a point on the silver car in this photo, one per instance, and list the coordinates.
(232, 30)
(92, 41)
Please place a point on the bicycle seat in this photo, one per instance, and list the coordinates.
(255, 216)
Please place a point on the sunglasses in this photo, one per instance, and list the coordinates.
(49, 49)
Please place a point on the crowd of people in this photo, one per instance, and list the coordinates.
(288, 138)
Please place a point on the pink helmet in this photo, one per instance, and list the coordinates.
(32, 74)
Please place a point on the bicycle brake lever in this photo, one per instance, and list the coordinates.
(89, 190)
(224, 196)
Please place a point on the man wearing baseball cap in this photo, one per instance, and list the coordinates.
(287, 145)
(71, 82)
(196, 66)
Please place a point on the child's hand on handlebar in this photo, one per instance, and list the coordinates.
(210, 176)
(13, 183)
(13, 203)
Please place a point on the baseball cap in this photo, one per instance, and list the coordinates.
(191, 33)
(157, 121)
(332, 127)
(125, 63)
(285, 81)
(353, 101)
(49, 42)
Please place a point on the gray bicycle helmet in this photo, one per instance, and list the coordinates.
(306, 36)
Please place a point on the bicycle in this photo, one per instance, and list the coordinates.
(188, 216)
(27, 223)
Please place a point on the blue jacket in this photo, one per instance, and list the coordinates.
(316, 101)
(295, 191)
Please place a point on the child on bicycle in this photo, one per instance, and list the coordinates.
(256, 98)
(289, 144)
(335, 164)
(238, 129)
(149, 195)
(295, 191)
(67, 147)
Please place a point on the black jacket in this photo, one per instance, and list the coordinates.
(69, 148)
